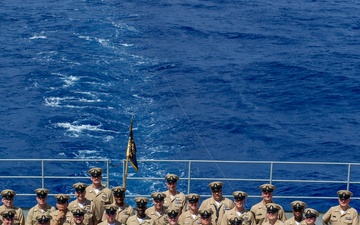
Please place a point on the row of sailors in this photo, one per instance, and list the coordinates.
(96, 199)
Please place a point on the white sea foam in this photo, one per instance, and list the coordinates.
(38, 37)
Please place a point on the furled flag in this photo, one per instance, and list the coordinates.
(131, 149)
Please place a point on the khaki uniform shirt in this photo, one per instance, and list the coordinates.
(292, 221)
(19, 216)
(187, 219)
(158, 219)
(133, 220)
(219, 210)
(66, 220)
(36, 211)
(333, 216)
(89, 207)
(105, 196)
(179, 200)
(260, 212)
(105, 222)
(122, 214)
(248, 217)
(278, 222)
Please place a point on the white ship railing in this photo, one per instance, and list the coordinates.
(325, 174)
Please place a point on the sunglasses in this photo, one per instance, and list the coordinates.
(43, 221)
(80, 190)
(62, 201)
(78, 215)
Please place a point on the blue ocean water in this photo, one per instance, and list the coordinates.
(223, 80)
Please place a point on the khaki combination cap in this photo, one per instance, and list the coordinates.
(171, 178)
(216, 185)
(78, 211)
(344, 194)
(80, 186)
(172, 212)
(42, 191)
(111, 208)
(205, 213)
(298, 205)
(8, 213)
(141, 201)
(272, 207)
(309, 212)
(43, 218)
(158, 196)
(118, 189)
(96, 171)
(193, 197)
(8, 193)
(62, 198)
(235, 220)
(239, 195)
(267, 188)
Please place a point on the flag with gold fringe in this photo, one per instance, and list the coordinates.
(131, 149)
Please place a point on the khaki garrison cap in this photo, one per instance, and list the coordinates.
(172, 212)
(141, 201)
(309, 212)
(8, 213)
(344, 194)
(298, 205)
(96, 171)
(240, 195)
(80, 186)
(158, 196)
(267, 188)
(216, 185)
(205, 213)
(8, 193)
(235, 220)
(43, 218)
(272, 207)
(171, 178)
(193, 197)
(78, 211)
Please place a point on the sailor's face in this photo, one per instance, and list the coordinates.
(205, 220)
(96, 179)
(344, 202)
(41, 200)
(267, 196)
(272, 215)
(8, 202)
(239, 203)
(310, 220)
(8, 221)
(217, 194)
(171, 185)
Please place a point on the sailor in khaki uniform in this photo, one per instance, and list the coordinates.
(140, 217)
(110, 213)
(43, 219)
(62, 216)
(125, 210)
(259, 209)
(272, 215)
(343, 213)
(298, 211)
(174, 197)
(97, 192)
(41, 208)
(247, 217)
(158, 212)
(173, 213)
(7, 216)
(205, 216)
(310, 216)
(192, 216)
(90, 216)
(78, 216)
(217, 202)
(8, 203)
